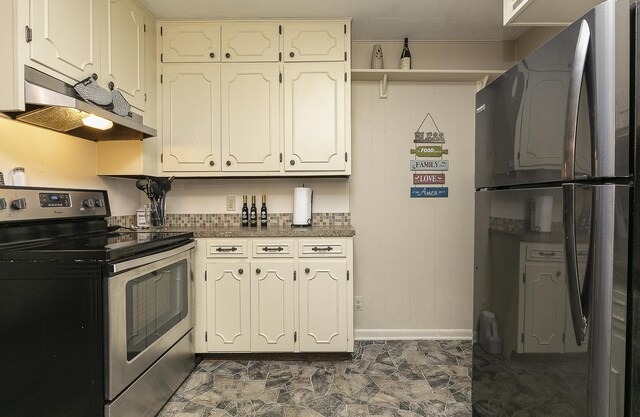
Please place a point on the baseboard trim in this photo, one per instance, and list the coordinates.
(412, 334)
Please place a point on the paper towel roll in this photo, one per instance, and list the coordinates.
(302, 201)
(543, 210)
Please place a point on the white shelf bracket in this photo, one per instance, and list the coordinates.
(482, 83)
(383, 86)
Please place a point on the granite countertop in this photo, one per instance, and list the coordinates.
(271, 231)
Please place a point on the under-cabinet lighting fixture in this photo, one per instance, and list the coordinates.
(97, 122)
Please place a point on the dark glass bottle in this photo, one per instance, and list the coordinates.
(405, 57)
(253, 214)
(263, 212)
(245, 212)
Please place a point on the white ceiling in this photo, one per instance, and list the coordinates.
(372, 19)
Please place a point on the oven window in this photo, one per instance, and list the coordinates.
(155, 303)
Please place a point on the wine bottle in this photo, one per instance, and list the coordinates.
(253, 216)
(263, 212)
(405, 57)
(245, 212)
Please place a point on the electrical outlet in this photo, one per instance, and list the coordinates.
(231, 203)
(357, 303)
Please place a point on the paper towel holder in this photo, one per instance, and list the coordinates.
(302, 207)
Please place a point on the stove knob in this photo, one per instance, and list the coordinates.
(100, 203)
(19, 204)
(89, 203)
(3, 204)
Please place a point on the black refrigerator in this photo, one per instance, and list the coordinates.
(557, 242)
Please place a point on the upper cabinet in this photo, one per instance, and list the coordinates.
(190, 42)
(251, 42)
(544, 12)
(123, 50)
(65, 36)
(315, 41)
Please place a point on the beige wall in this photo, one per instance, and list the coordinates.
(52, 159)
(533, 38)
(413, 257)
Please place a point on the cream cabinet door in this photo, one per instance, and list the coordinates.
(251, 42)
(66, 36)
(123, 50)
(193, 42)
(272, 311)
(323, 306)
(228, 307)
(545, 305)
(314, 97)
(314, 41)
(191, 117)
(250, 117)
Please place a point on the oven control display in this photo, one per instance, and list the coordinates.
(55, 200)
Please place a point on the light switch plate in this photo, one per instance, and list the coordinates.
(231, 203)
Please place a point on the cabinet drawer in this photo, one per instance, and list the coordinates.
(227, 249)
(273, 248)
(545, 253)
(334, 248)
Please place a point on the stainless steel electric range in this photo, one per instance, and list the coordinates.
(95, 320)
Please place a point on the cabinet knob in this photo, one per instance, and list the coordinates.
(212, 163)
(212, 55)
(307, 270)
(240, 271)
(228, 55)
(292, 162)
(228, 163)
(258, 270)
(291, 54)
(94, 76)
(111, 85)
(558, 273)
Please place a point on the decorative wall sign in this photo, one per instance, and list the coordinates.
(430, 165)
(429, 192)
(434, 136)
(428, 178)
(432, 150)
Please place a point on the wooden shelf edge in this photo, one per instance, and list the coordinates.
(424, 75)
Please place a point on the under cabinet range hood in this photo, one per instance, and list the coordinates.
(55, 105)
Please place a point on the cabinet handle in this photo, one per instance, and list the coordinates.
(212, 163)
(258, 270)
(268, 249)
(228, 163)
(546, 253)
(325, 249)
(212, 55)
(240, 271)
(558, 273)
(291, 54)
(111, 85)
(228, 55)
(292, 162)
(307, 270)
(94, 76)
(231, 249)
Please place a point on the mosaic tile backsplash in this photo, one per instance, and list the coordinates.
(517, 225)
(233, 219)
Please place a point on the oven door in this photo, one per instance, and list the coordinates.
(149, 308)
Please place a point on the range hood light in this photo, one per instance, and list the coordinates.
(97, 122)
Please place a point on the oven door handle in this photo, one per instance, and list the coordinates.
(134, 263)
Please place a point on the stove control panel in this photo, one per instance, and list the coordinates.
(29, 203)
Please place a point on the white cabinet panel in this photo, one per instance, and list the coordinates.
(191, 117)
(251, 42)
(251, 117)
(315, 117)
(191, 42)
(228, 307)
(314, 41)
(66, 36)
(272, 307)
(123, 50)
(323, 297)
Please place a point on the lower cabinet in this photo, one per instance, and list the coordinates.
(272, 295)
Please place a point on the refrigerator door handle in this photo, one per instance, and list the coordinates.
(573, 102)
(571, 256)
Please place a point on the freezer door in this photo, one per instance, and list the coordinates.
(562, 113)
(535, 282)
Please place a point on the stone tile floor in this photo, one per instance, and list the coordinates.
(392, 378)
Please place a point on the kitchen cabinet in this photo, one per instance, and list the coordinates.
(123, 50)
(317, 41)
(191, 117)
(251, 117)
(299, 302)
(251, 42)
(190, 42)
(544, 12)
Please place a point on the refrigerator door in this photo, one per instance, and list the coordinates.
(532, 277)
(563, 111)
